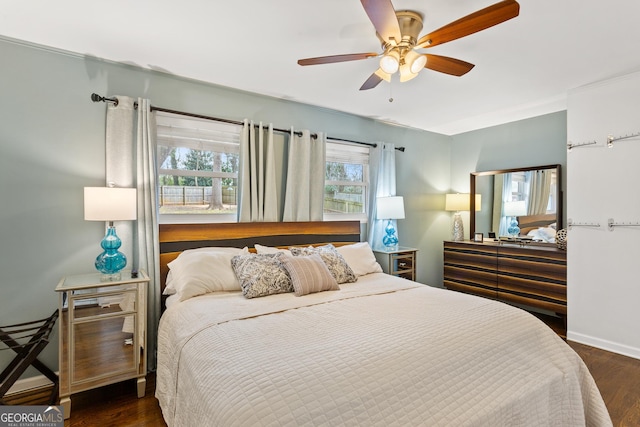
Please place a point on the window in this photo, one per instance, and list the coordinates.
(346, 181)
(520, 186)
(198, 163)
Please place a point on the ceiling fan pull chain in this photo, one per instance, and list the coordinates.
(391, 90)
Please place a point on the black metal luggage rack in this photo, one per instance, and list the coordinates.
(27, 340)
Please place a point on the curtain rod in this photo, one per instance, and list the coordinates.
(97, 98)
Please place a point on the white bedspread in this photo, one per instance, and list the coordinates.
(380, 352)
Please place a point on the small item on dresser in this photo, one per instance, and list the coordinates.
(561, 239)
(477, 237)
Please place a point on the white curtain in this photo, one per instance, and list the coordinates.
(304, 193)
(131, 162)
(383, 183)
(506, 196)
(539, 191)
(258, 199)
(498, 185)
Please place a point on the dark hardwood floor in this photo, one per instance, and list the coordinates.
(618, 378)
(115, 405)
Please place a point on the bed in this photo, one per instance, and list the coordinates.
(380, 351)
(538, 227)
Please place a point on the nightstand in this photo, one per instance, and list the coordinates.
(399, 261)
(102, 333)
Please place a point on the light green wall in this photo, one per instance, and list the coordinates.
(52, 145)
(536, 141)
(540, 140)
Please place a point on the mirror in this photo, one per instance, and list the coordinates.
(532, 196)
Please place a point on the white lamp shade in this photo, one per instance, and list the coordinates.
(516, 208)
(109, 204)
(390, 62)
(416, 61)
(391, 207)
(460, 202)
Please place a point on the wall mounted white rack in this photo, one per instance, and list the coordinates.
(610, 140)
(612, 224)
(572, 223)
(571, 145)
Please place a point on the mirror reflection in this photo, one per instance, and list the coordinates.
(523, 203)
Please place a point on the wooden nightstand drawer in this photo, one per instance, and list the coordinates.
(399, 261)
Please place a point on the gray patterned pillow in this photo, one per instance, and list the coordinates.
(336, 264)
(261, 275)
(309, 274)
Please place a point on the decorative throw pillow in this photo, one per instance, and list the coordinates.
(261, 274)
(309, 274)
(336, 264)
(360, 258)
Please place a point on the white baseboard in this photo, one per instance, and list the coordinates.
(613, 347)
(29, 384)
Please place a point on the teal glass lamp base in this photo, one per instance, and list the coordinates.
(111, 261)
(390, 239)
(513, 229)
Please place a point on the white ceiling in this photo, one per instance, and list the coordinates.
(524, 67)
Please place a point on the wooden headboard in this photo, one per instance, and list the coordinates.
(175, 238)
(533, 222)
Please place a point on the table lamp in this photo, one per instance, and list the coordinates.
(514, 209)
(457, 203)
(390, 208)
(110, 204)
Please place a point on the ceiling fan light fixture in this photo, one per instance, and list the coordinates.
(417, 63)
(406, 74)
(390, 62)
(384, 76)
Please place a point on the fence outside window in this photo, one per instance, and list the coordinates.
(172, 195)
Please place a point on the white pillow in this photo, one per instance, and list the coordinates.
(265, 250)
(169, 287)
(360, 258)
(200, 271)
(546, 234)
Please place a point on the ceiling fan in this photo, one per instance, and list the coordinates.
(398, 32)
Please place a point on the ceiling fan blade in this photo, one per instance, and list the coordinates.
(336, 58)
(478, 21)
(384, 19)
(447, 65)
(375, 79)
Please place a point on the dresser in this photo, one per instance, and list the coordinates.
(530, 276)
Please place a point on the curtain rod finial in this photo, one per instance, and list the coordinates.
(97, 98)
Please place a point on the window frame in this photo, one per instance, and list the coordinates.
(359, 155)
(222, 145)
